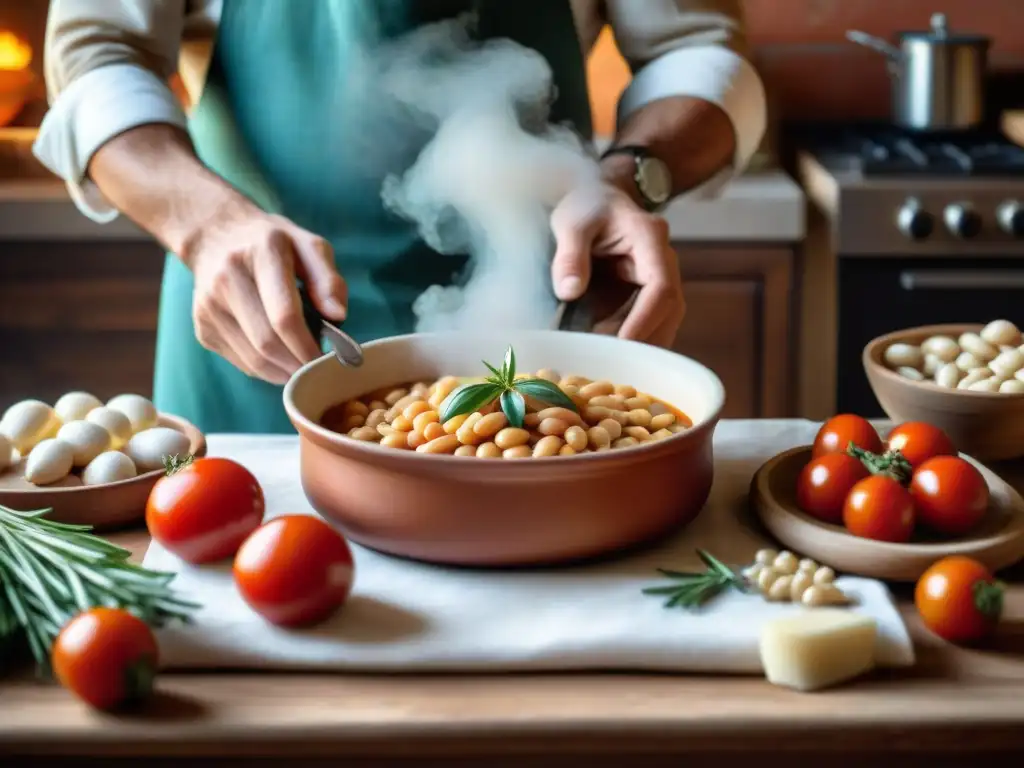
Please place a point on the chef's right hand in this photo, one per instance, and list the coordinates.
(246, 306)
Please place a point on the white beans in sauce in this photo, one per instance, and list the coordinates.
(610, 416)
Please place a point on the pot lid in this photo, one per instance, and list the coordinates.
(940, 34)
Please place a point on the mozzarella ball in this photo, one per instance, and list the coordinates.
(115, 422)
(75, 406)
(88, 440)
(140, 412)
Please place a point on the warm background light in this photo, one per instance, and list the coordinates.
(16, 78)
(15, 53)
(608, 75)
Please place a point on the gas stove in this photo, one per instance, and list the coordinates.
(925, 229)
(929, 194)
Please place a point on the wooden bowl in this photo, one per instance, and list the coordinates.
(478, 512)
(986, 425)
(104, 507)
(998, 542)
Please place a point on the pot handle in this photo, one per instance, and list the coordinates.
(890, 51)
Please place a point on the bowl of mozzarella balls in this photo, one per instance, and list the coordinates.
(968, 380)
(88, 461)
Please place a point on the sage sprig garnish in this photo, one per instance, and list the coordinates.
(510, 392)
(50, 572)
(692, 590)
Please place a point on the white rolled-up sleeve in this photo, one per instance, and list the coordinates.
(692, 48)
(107, 66)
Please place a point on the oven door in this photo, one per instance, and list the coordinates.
(881, 295)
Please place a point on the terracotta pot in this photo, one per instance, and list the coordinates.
(986, 425)
(468, 511)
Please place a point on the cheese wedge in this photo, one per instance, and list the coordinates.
(818, 648)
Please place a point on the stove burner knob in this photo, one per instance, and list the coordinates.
(913, 222)
(1011, 218)
(962, 220)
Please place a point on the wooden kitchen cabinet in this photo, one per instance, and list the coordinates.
(741, 302)
(77, 315)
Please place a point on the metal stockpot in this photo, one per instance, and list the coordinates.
(938, 77)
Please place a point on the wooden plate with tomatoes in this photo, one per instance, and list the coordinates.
(997, 540)
(104, 507)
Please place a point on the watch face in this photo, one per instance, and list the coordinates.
(655, 180)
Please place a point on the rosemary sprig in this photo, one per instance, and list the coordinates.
(694, 589)
(510, 392)
(51, 571)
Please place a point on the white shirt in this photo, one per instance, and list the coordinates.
(108, 62)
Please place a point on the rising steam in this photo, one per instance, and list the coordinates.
(487, 181)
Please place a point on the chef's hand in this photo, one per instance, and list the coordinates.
(246, 306)
(606, 223)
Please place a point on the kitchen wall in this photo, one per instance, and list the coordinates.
(809, 68)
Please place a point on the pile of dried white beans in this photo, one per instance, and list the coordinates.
(990, 361)
(406, 418)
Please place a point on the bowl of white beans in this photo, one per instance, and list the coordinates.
(629, 462)
(968, 380)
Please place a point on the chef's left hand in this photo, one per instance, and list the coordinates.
(607, 224)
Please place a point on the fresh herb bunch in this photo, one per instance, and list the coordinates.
(508, 390)
(692, 590)
(50, 572)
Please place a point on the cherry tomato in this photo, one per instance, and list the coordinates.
(203, 511)
(837, 433)
(919, 442)
(106, 657)
(878, 507)
(825, 482)
(950, 495)
(295, 570)
(959, 599)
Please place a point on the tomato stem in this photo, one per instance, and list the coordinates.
(988, 598)
(177, 463)
(891, 463)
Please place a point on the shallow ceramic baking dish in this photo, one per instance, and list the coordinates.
(477, 512)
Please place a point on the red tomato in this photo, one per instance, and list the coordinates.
(294, 571)
(919, 442)
(204, 511)
(959, 600)
(824, 484)
(837, 433)
(878, 507)
(106, 657)
(950, 495)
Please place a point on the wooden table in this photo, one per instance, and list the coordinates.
(955, 706)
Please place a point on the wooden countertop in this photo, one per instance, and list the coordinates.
(953, 702)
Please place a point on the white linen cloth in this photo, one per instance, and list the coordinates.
(406, 616)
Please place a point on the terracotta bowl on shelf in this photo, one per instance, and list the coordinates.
(478, 512)
(986, 425)
(104, 507)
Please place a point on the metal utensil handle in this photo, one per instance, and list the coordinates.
(875, 43)
(967, 279)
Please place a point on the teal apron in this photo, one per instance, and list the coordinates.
(276, 121)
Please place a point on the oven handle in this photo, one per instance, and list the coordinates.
(967, 279)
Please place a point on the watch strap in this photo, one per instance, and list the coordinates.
(639, 154)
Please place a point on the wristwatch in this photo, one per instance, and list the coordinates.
(652, 176)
